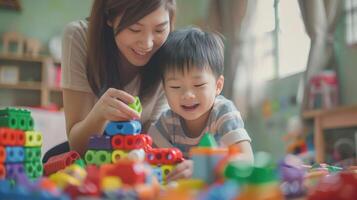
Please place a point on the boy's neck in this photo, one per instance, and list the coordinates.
(194, 128)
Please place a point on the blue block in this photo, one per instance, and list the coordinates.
(123, 128)
(15, 154)
(157, 172)
(100, 143)
(200, 168)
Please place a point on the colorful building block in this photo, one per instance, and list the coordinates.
(168, 156)
(125, 128)
(16, 119)
(14, 154)
(34, 169)
(205, 160)
(89, 157)
(59, 162)
(100, 143)
(2, 154)
(103, 157)
(33, 139)
(12, 170)
(131, 172)
(2, 171)
(118, 154)
(32, 154)
(136, 105)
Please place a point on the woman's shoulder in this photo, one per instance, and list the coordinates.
(77, 28)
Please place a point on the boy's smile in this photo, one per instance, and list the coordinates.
(191, 93)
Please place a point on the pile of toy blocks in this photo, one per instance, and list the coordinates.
(122, 140)
(20, 145)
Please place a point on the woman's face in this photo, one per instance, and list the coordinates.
(141, 40)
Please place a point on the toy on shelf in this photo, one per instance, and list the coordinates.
(324, 89)
(13, 38)
(24, 45)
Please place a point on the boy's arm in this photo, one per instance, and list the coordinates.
(245, 152)
(157, 133)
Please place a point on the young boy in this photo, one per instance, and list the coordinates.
(191, 64)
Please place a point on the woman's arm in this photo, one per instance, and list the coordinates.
(80, 122)
(85, 117)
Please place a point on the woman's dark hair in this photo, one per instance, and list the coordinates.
(103, 58)
(191, 47)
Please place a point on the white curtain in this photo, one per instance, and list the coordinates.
(320, 18)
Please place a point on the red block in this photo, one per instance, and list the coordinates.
(130, 172)
(166, 156)
(2, 171)
(118, 142)
(7, 137)
(2, 154)
(19, 137)
(59, 162)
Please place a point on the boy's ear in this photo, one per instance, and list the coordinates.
(219, 84)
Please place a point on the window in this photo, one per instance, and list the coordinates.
(280, 41)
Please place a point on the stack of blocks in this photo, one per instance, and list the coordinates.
(122, 140)
(206, 156)
(20, 145)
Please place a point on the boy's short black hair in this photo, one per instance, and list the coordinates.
(191, 47)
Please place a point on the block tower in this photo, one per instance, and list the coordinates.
(20, 145)
(124, 140)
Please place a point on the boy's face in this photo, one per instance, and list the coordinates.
(191, 94)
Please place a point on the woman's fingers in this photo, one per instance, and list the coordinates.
(118, 100)
(121, 95)
(123, 109)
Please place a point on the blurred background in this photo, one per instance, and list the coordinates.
(290, 68)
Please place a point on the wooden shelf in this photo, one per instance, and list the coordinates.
(36, 69)
(22, 86)
(339, 117)
(309, 114)
(55, 89)
(14, 57)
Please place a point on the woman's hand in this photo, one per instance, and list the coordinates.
(113, 106)
(182, 170)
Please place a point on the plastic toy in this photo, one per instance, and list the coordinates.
(136, 105)
(125, 128)
(59, 162)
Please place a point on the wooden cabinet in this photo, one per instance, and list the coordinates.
(340, 117)
(31, 86)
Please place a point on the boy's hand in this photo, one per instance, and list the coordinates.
(182, 170)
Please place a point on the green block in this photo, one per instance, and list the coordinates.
(103, 157)
(136, 105)
(32, 154)
(16, 119)
(89, 157)
(80, 162)
(34, 169)
(208, 141)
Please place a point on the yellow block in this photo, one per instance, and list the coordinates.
(118, 155)
(111, 183)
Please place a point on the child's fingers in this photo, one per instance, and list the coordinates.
(186, 173)
(182, 170)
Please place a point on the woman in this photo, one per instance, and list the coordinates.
(106, 63)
